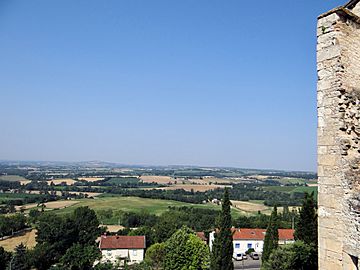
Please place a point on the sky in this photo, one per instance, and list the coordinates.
(180, 82)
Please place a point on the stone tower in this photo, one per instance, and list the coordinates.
(338, 67)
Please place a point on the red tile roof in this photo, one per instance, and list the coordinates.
(122, 242)
(259, 234)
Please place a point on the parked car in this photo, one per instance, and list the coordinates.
(254, 256)
(238, 256)
(244, 256)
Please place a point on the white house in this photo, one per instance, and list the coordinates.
(243, 239)
(122, 248)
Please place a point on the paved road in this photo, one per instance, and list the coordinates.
(248, 264)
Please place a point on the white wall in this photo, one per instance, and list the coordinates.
(241, 246)
(113, 255)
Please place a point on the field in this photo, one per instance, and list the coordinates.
(201, 188)
(287, 189)
(90, 179)
(15, 196)
(28, 239)
(49, 205)
(14, 178)
(157, 179)
(249, 206)
(68, 181)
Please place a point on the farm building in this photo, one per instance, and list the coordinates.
(243, 239)
(122, 248)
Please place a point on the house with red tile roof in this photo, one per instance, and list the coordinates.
(244, 238)
(120, 248)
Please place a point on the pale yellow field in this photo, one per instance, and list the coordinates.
(91, 179)
(200, 188)
(312, 185)
(157, 179)
(90, 194)
(249, 206)
(113, 228)
(28, 239)
(68, 181)
(49, 205)
(24, 182)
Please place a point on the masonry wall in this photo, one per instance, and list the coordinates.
(338, 55)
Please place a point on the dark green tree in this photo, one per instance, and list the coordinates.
(271, 240)
(222, 251)
(80, 257)
(20, 260)
(5, 258)
(87, 225)
(306, 227)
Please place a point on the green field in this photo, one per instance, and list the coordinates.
(15, 196)
(12, 178)
(306, 189)
(123, 180)
(135, 204)
(287, 189)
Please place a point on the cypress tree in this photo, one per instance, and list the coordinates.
(306, 227)
(222, 250)
(271, 241)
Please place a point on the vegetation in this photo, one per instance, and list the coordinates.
(221, 257)
(184, 250)
(271, 240)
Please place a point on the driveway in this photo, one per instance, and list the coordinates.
(248, 264)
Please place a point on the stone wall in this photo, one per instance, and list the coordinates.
(338, 55)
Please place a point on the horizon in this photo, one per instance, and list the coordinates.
(160, 83)
(124, 165)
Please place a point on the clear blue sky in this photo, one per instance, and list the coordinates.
(205, 82)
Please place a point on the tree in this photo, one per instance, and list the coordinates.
(86, 224)
(271, 240)
(184, 250)
(222, 252)
(298, 256)
(5, 258)
(80, 257)
(155, 255)
(306, 227)
(20, 259)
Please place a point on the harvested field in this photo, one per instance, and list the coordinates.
(49, 205)
(201, 188)
(113, 228)
(91, 179)
(249, 206)
(27, 238)
(68, 181)
(157, 179)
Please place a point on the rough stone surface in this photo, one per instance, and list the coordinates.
(338, 56)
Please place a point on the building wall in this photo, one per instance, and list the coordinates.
(338, 56)
(113, 255)
(241, 246)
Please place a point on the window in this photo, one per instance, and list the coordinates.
(134, 252)
(249, 245)
(237, 245)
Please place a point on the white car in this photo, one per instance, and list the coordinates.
(238, 256)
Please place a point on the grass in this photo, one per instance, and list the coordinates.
(135, 204)
(288, 180)
(28, 239)
(16, 196)
(306, 189)
(122, 180)
(12, 178)
(287, 189)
